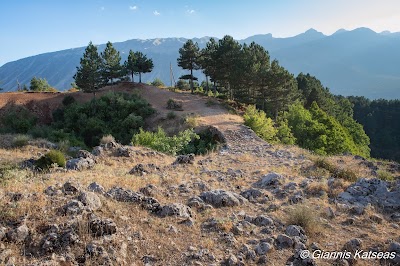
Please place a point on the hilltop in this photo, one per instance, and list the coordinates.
(247, 203)
(360, 62)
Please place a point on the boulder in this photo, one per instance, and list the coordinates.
(80, 164)
(176, 209)
(95, 187)
(271, 180)
(184, 159)
(90, 200)
(18, 234)
(221, 198)
(100, 227)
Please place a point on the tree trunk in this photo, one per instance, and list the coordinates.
(191, 80)
(132, 78)
(207, 88)
(140, 77)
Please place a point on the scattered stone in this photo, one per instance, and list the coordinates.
(231, 261)
(72, 208)
(296, 231)
(3, 232)
(125, 151)
(263, 248)
(184, 159)
(284, 241)
(176, 209)
(221, 198)
(395, 247)
(91, 200)
(52, 191)
(353, 245)
(149, 190)
(329, 213)
(357, 210)
(248, 252)
(252, 194)
(95, 187)
(100, 227)
(80, 164)
(271, 180)
(262, 220)
(98, 151)
(85, 154)
(298, 259)
(143, 169)
(125, 195)
(18, 234)
(376, 218)
(70, 188)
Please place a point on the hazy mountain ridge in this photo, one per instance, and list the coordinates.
(357, 62)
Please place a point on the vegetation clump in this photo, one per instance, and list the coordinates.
(173, 104)
(53, 157)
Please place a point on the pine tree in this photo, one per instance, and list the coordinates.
(130, 65)
(142, 64)
(111, 67)
(189, 59)
(88, 74)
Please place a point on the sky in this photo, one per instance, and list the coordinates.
(31, 27)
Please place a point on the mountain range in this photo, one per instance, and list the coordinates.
(358, 62)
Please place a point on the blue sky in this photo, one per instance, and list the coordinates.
(30, 27)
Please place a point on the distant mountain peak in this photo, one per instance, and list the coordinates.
(339, 31)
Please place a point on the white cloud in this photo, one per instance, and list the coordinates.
(133, 7)
(156, 13)
(190, 11)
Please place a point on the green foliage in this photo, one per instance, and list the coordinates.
(118, 114)
(138, 63)
(20, 140)
(111, 67)
(183, 85)
(171, 115)
(262, 125)
(161, 142)
(284, 133)
(68, 100)
(51, 158)
(174, 105)
(385, 175)
(201, 145)
(380, 119)
(158, 83)
(17, 119)
(88, 76)
(189, 59)
(39, 84)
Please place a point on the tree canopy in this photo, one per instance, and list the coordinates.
(189, 56)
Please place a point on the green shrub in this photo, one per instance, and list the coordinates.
(183, 85)
(51, 158)
(158, 83)
(17, 119)
(159, 140)
(262, 125)
(385, 175)
(173, 104)
(171, 115)
(68, 100)
(20, 140)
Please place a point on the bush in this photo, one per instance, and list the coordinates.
(159, 140)
(17, 119)
(191, 121)
(174, 105)
(68, 100)
(20, 140)
(171, 115)
(336, 172)
(107, 139)
(183, 85)
(51, 158)
(384, 175)
(305, 217)
(158, 83)
(262, 125)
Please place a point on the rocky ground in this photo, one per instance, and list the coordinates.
(248, 203)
